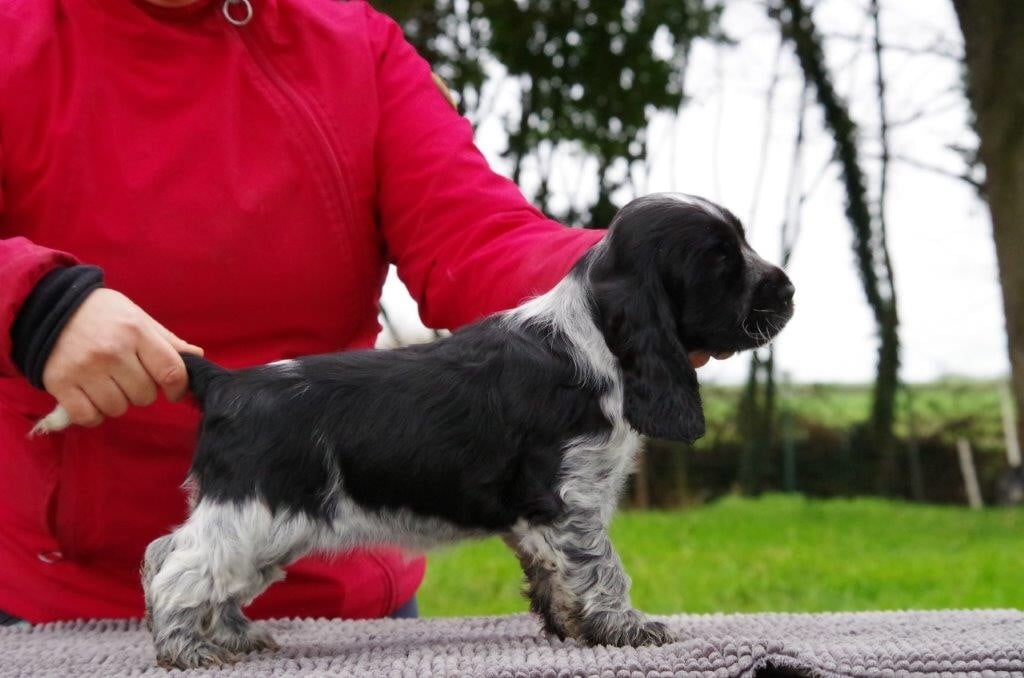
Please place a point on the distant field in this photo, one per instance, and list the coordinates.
(778, 553)
(942, 410)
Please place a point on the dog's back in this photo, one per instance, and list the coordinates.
(444, 429)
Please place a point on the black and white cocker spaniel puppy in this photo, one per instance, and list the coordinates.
(523, 425)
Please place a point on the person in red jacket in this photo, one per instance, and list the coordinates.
(239, 173)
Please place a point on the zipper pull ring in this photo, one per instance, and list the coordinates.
(246, 12)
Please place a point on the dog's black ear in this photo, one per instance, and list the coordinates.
(661, 396)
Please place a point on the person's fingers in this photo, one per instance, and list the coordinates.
(80, 409)
(177, 342)
(108, 398)
(162, 362)
(699, 359)
(135, 382)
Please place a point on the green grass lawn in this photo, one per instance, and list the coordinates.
(778, 553)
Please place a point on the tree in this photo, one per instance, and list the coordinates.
(994, 61)
(870, 247)
(589, 73)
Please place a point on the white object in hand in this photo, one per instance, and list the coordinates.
(55, 421)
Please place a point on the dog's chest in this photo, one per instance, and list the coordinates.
(594, 471)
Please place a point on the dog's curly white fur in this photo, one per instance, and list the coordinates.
(524, 425)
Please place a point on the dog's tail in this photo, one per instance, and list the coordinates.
(202, 375)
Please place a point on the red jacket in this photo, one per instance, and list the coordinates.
(247, 187)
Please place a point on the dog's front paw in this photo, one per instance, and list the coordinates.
(195, 655)
(653, 633)
(623, 629)
(251, 640)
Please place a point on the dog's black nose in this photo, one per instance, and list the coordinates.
(786, 291)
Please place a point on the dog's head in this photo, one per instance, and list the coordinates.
(675, 274)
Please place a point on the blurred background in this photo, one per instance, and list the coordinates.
(870, 458)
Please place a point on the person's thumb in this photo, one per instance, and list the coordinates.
(177, 342)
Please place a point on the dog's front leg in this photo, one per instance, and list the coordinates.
(588, 583)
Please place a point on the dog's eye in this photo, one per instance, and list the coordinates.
(723, 256)
(725, 265)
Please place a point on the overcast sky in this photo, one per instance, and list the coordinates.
(940, 233)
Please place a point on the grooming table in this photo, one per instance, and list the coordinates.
(981, 644)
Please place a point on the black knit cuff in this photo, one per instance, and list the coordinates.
(45, 313)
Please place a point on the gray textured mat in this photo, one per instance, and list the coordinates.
(984, 643)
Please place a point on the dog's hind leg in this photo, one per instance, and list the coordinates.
(220, 559)
(156, 554)
(179, 592)
(547, 600)
(231, 629)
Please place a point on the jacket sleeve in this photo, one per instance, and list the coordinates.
(465, 240)
(22, 265)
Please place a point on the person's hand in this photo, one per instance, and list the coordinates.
(700, 358)
(112, 354)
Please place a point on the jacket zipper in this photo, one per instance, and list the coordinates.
(338, 188)
(341, 191)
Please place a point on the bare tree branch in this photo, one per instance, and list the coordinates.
(883, 134)
(927, 112)
(390, 324)
(934, 169)
(797, 24)
(793, 212)
(939, 48)
(766, 133)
